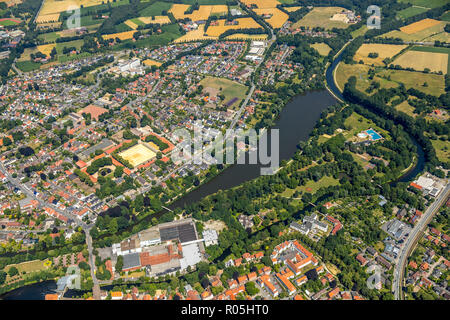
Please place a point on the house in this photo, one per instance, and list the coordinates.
(363, 261)
(333, 293)
(116, 295)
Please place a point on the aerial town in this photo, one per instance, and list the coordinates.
(102, 199)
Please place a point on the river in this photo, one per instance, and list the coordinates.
(296, 121)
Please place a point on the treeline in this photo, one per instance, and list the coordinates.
(245, 31)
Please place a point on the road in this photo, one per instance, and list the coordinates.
(412, 240)
(86, 228)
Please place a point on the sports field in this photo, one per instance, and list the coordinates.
(383, 50)
(419, 60)
(277, 17)
(137, 155)
(321, 17)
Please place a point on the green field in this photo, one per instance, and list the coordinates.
(155, 9)
(49, 37)
(27, 66)
(442, 149)
(436, 83)
(410, 12)
(312, 186)
(446, 16)
(430, 34)
(426, 3)
(228, 88)
(8, 23)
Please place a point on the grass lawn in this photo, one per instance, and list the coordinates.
(357, 123)
(406, 108)
(27, 66)
(311, 186)
(28, 267)
(436, 83)
(359, 32)
(322, 48)
(442, 149)
(49, 37)
(230, 89)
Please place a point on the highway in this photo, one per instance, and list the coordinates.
(412, 240)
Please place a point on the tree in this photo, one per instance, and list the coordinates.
(119, 263)
(251, 288)
(13, 271)
(2, 277)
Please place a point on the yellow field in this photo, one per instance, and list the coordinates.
(261, 4)
(131, 24)
(435, 32)
(46, 48)
(202, 13)
(195, 35)
(419, 26)
(158, 19)
(243, 23)
(292, 9)
(57, 6)
(243, 36)
(420, 60)
(52, 17)
(137, 155)
(384, 51)
(121, 35)
(150, 63)
(322, 48)
(321, 17)
(277, 19)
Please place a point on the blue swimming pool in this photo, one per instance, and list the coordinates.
(373, 134)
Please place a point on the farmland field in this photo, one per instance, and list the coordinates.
(243, 23)
(195, 35)
(121, 35)
(427, 34)
(51, 9)
(321, 17)
(154, 19)
(261, 4)
(156, 9)
(410, 12)
(419, 26)
(228, 88)
(292, 9)
(419, 60)
(277, 19)
(426, 3)
(384, 51)
(150, 63)
(202, 13)
(243, 36)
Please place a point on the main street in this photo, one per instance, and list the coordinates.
(412, 240)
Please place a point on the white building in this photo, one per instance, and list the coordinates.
(210, 237)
